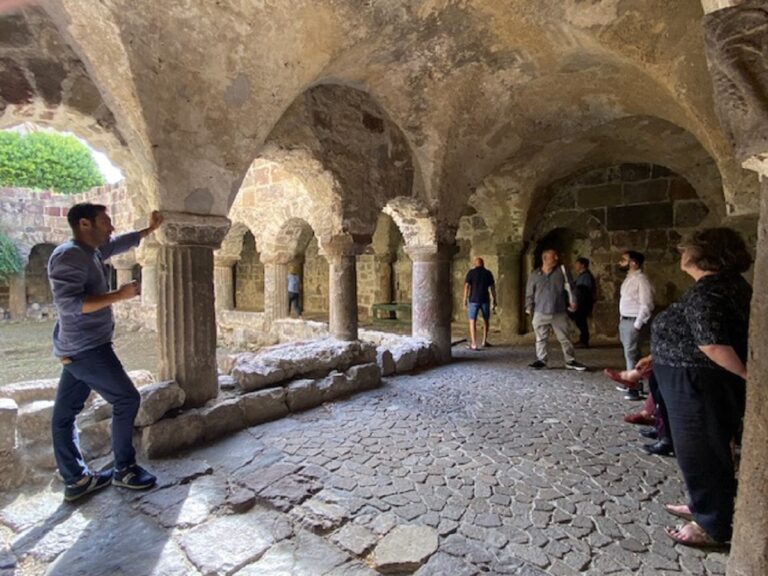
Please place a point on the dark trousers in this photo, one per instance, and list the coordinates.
(705, 407)
(662, 419)
(582, 323)
(293, 299)
(99, 370)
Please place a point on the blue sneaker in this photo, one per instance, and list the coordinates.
(96, 481)
(134, 478)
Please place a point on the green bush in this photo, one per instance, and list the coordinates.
(47, 161)
(10, 261)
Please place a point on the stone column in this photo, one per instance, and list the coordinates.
(224, 282)
(146, 255)
(275, 286)
(17, 295)
(509, 287)
(431, 298)
(124, 269)
(185, 313)
(341, 253)
(737, 40)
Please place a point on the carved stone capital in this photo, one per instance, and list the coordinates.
(184, 229)
(344, 245)
(737, 50)
(434, 253)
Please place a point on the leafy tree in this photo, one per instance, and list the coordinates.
(47, 161)
(10, 261)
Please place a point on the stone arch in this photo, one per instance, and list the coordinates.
(414, 221)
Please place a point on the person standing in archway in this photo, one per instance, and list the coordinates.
(82, 340)
(294, 292)
(548, 295)
(585, 300)
(477, 285)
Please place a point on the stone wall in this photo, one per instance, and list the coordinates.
(249, 277)
(402, 269)
(38, 289)
(315, 280)
(602, 213)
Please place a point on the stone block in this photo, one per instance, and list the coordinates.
(169, 436)
(633, 172)
(385, 361)
(426, 356)
(222, 418)
(681, 189)
(303, 394)
(335, 385)
(255, 375)
(9, 412)
(640, 217)
(263, 406)
(405, 359)
(364, 376)
(404, 549)
(30, 391)
(34, 422)
(156, 400)
(646, 191)
(690, 213)
(99, 409)
(596, 196)
(96, 438)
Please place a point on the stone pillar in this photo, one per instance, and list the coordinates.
(737, 40)
(341, 253)
(124, 269)
(17, 295)
(146, 255)
(509, 287)
(224, 282)
(275, 286)
(431, 298)
(185, 313)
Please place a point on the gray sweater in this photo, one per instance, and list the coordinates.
(545, 293)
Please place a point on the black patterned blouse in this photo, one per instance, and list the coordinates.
(715, 310)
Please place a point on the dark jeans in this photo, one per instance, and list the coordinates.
(705, 407)
(293, 298)
(662, 419)
(581, 320)
(99, 370)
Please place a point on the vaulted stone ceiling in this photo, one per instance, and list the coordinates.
(476, 88)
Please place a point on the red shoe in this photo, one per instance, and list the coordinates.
(615, 375)
(640, 418)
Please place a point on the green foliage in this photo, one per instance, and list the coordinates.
(10, 261)
(47, 161)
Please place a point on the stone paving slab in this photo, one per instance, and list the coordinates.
(517, 472)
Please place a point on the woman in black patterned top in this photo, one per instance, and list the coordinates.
(699, 349)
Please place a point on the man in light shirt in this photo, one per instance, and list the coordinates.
(294, 295)
(635, 307)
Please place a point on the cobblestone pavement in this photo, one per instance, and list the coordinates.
(518, 472)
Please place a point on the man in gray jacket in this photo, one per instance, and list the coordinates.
(545, 299)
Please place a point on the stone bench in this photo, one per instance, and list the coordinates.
(397, 311)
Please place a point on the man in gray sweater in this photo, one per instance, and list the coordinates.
(545, 299)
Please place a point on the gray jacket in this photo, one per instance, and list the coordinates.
(545, 293)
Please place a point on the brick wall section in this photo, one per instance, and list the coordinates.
(249, 277)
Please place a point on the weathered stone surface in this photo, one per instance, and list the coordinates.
(404, 549)
(364, 376)
(405, 359)
(96, 438)
(227, 382)
(284, 362)
(355, 539)
(166, 437)
(335, 385)
(303, 555)
(156, 400)
(222, 418)
(34, 421)
(9, 412)
(26, 392)
(225, 544)
(385, 361)
(303, 394)
(263, 406)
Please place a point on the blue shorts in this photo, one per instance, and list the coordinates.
(475, 307)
